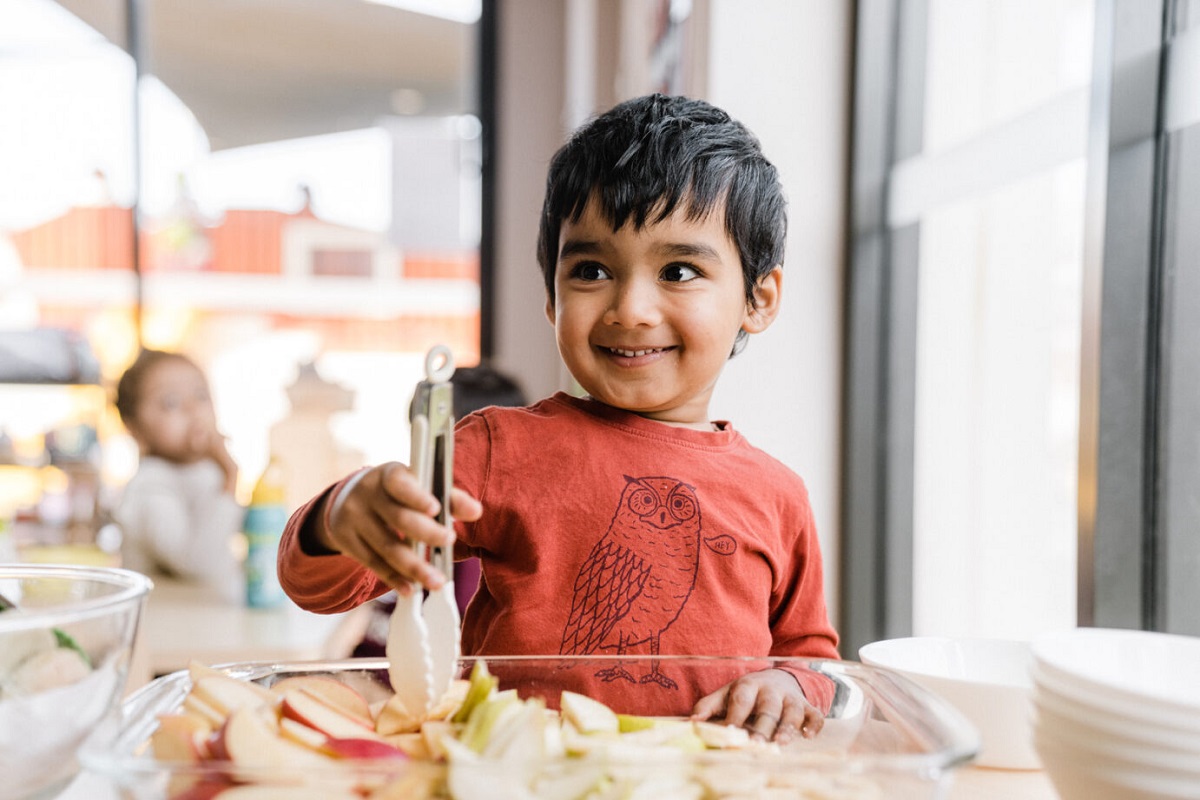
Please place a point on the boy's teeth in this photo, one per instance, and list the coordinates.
(634, 353)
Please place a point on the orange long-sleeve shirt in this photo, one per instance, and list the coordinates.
(605, 532)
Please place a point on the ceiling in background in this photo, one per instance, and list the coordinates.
(255, 71)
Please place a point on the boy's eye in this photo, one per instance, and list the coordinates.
(589, 271)
(680, 273)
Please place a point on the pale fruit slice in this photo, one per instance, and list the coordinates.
(181, 737)
(265, 792)
(226, 694)
(251, 738)
(433, 732)
(202, 708)
(720, 736)
(411, 744)
(395, 718)
(479, 687)
(301, 734)
(588, 715)
(344, 698)
(307, 709)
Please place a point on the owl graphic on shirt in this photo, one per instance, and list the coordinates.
(638, 577)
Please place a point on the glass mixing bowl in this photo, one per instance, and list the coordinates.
(66, 640)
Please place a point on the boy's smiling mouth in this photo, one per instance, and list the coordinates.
(636, 353)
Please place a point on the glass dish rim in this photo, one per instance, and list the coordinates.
(111, 750)
(130, 586)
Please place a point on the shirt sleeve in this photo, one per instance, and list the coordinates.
(800, 626)
(318, 582)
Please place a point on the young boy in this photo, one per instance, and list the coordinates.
(626, 522)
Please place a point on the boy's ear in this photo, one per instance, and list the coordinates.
(767, 295)
(549, 308)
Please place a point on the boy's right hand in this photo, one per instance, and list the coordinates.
(377, 516)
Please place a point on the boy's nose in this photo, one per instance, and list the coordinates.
(634, 303)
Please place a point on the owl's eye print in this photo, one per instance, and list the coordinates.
(643, 501)
(682, 506)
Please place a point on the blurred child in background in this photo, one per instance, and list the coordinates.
(178, 514)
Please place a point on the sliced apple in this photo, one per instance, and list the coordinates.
(301, 734)
(415, 784)
(412, 745)
(485, 716)
(452, 700)
(226, 694)
(363, 749)
(271, 792)
(307, 709)
(393, 717)
(341, 696)
(588, 715)
(433, 732)
(251, 738)
(202, 708)
(720, 736)
(181, 737)
(479, 687)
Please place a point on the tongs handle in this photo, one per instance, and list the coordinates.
(432, 419)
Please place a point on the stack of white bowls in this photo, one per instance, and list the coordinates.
(1118, 714)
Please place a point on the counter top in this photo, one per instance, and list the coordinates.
(182, 622)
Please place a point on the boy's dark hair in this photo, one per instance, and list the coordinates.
(483, 386)
(479, 387)
(129, 386)
(648, 156)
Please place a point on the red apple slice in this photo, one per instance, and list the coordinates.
(304, 707)
(252, 739)
(333, 692)
(268, 792)
(363, 749)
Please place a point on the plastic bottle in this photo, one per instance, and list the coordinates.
(265, 519)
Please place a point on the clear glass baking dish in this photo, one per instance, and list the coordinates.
(884, 737)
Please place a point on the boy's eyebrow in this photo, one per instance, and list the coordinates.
(574, 247)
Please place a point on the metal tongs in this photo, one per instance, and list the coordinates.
(423, 640)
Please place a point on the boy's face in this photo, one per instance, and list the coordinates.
(174, 417)
(646, 319)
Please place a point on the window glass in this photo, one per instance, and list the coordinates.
(998, 326)
(989, 62)
(306, 184)
(997, 409)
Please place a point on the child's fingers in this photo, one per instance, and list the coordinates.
(711, 705)
(740, 703)
(465, 507)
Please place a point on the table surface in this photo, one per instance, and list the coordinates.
(182, 622)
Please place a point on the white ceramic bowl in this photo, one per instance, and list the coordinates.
(64, 656)
(986, 679)
(1103, 724)
(1078, 774)
(1154, 672)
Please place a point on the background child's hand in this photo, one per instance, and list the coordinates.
(768, 703)
(380, 512)
(208, 442)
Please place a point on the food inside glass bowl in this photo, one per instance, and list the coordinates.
(478, 742)
(66, 638)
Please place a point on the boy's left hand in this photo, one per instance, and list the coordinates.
(768, 703)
